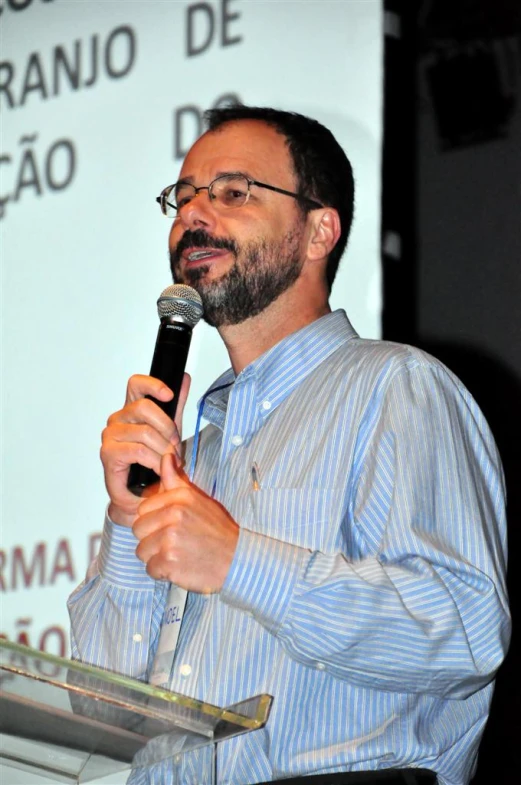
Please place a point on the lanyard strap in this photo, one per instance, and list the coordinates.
(195, 445)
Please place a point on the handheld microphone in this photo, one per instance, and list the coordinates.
(180, 308)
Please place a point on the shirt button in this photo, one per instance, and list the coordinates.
(266, 405)
(237, 440)
(321, 666)
(137, 637)
(185, 670)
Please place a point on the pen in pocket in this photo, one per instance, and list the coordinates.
(255, 477)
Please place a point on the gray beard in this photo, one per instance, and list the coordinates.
(248, 288)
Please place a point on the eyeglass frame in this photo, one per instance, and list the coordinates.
(305, 199)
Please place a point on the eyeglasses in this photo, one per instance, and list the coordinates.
(227, 190)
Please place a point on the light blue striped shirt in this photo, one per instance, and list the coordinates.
(367, 591)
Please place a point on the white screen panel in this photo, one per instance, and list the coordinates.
(91, 94)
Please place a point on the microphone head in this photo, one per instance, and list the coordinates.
(182, 302)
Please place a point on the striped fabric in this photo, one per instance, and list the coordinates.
(367, 591)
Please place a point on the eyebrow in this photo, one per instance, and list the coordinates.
(190, 178)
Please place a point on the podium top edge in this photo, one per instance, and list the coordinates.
(14, 658)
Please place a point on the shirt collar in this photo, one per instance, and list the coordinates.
(282, 368)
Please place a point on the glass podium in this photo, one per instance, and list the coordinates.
(68, 722)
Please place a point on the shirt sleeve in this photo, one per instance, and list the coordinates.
(425, 608)
(116, 612)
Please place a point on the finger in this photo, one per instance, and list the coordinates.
(168, 473)
(117, 458)
(161, 569)
(172, 475)
(177, 501)
(116, 476)
(115, 437)
(139, 385)
(144, 412)
(161, 541)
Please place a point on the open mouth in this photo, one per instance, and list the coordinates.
(195, 256)
(200, 254)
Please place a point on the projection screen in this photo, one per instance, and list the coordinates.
(99, 103)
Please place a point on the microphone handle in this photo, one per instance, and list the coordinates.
(168, 365)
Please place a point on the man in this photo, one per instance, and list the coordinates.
(341, 534)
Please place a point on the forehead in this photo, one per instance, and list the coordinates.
(248, 146)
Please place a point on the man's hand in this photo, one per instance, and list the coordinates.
(185, 536)
(139, 433)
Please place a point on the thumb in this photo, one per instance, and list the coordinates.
(172, 474)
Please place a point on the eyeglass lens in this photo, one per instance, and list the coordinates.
(229, 190)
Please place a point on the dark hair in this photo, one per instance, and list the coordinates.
(322, 168)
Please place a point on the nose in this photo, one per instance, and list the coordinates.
(198, 212)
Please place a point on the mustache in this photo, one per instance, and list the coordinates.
(201, 239)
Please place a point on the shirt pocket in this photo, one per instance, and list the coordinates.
(308, 517)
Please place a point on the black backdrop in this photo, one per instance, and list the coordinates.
(451, 244)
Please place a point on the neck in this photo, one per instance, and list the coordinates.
(248, 340)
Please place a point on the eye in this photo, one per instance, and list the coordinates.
(184, 193)
(231, 190)
(184, 200)
(233, 196)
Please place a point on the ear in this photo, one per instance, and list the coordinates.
(324, 233)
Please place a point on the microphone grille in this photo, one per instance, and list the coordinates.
(180, 300)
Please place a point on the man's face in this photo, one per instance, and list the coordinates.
(255, 250)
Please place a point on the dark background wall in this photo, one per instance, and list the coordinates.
(452, 245)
